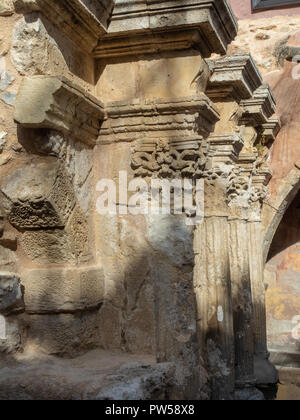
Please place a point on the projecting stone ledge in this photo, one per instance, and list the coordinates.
(57, 103)
(83, 21)
(143, 27)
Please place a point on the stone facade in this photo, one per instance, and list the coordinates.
(156, 90)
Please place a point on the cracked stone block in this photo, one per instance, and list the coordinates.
(63, 290)
(39, 195)
(10, 292)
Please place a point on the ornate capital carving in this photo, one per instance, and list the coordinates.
(150, 26)
(235, 76)
(169, 159)
(57, 103)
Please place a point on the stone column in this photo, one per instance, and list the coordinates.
(242, 303)
(213, 295)
(265, 372)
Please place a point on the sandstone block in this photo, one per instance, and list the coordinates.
(63, 335)
(40, 196)
(63, 290)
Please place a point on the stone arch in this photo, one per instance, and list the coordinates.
(275, 208)
(281, 276)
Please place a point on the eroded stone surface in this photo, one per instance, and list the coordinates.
(40, 196)
(10, 292)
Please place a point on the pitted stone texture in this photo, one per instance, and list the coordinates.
(10, 292)
(48, 246)
(40, 196)
(63, 335)
(78, 230)
(63, 290)
(57, 246)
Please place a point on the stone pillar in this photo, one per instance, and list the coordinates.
(213, 294)
(242, 303)
(265, 372)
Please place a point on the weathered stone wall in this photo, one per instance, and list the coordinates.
(84, 99)
(46, 168)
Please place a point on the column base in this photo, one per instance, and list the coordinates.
(265, 373)
(248, 394)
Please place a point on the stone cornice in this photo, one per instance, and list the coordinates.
(225, 148)
(259, 108)
(270, 129)
(149, 26)
(235, 76)
(84, 22)
(162, 118)
(57, 103)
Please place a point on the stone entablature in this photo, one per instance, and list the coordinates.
(142, 27)
(162, 118)
(83, 21)
(234, 76)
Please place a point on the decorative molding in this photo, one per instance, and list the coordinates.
(151, 26)
(225, 148)
(172, 119)
(83, 21)
(235, 76)
(270, 129)
(259, 108)
(169, 159)
(56, 103)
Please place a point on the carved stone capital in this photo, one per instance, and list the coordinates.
(180, 118)
(151, 26)
(169, 159)
(259, 108)
(83, 21)
(56, 103)
(235, 76)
